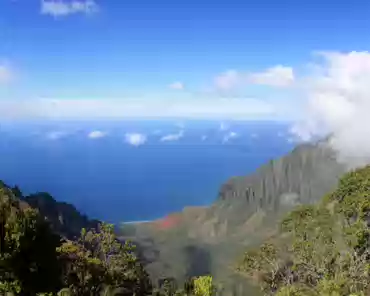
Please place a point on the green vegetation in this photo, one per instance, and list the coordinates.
(203, 286)
(207, 240)
(48, 248)
(28, 255)
(97, 262)
(322, 249)
(36, 260)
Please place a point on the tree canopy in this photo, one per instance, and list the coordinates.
(322, 249)
(36, 260)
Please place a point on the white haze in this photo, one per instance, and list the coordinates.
(338, 104)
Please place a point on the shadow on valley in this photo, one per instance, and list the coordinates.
(200, 262)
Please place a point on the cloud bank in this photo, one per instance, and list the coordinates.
(135, 139)
(59, 8)
(277, 76)
(331, 98)
(229, 80)
(172, 137)
(337, 103)
(96, 134)
(56, 135)
(128, 108)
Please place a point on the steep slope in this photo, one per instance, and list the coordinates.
(208, 240)
(303, 176)
(63, 217)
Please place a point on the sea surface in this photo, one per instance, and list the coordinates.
(135, 170)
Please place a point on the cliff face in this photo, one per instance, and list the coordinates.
(246, 212)
(302, 177)
(63, 217)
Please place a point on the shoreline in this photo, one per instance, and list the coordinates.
(137, 222)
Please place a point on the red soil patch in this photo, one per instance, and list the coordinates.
(168, 222)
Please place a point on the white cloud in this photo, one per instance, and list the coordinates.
(177, 85)
(135, 139)
(204, 137)
(56, 135)
(141, 108)
(96, 134)
(172, 137)
(6, 74)
(229, 136)
(278, 76)
(335, 98)
(58, 8)
(229, 80)
(304, 132)
(224, 126)
(338, 104)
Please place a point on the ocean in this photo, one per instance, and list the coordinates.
(135, 170)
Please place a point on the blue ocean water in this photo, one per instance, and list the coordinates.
(109, 179)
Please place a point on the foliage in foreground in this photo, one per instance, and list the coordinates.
(323, 249)
(198, 286)
(36, 261)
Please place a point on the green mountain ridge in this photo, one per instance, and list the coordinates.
(207, 240)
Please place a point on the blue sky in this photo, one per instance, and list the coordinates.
(207, 59)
